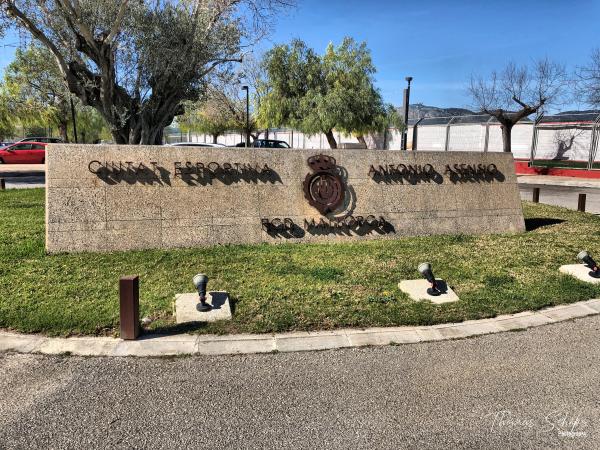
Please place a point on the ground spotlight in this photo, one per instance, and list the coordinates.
(425, 270)
(200, 281)
(587, 259)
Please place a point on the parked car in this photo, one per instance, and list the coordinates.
(5, 144)
(265, 143)
(270, 143)
(24, 153)
(47, 140)
(195, 144)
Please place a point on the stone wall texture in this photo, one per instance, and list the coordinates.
(105, 198)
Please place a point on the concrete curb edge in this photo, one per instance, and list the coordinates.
(186, 344)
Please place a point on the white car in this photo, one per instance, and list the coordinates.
(195, 144)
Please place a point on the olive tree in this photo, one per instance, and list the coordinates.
(517, 92)
(137, 62)
(317, 94)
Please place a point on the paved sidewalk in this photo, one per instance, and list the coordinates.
(185, 344)
(536, 389)
(584, 184)
(561, 191)
(15, 170)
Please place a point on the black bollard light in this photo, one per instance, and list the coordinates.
(200, 281)
(587, 259)
(425, 270)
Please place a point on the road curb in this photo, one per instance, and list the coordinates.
(186, 344)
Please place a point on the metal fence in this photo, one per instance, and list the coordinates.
(563, 140)
(566, 140)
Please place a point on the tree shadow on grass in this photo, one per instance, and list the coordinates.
(539, 222)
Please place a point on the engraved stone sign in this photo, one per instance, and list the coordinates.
(102, 198)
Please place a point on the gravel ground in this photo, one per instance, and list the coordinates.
(529, 389)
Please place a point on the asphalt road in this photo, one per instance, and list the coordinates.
(563, 197)
(529, 389)
(23, 176)
(25, 182)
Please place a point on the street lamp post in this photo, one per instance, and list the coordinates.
(406, 103)
(245, 88)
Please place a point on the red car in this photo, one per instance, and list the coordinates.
(24, 153)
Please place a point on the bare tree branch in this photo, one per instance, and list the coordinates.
(532, 89)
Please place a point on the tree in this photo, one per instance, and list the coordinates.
(389, 117)
(319, 94)
(221, 109)
(7, 126)
(588, 80)
(136, 62)
(38, 90)
(91, 127)
(530, 89)
(210, 117)
(38, 97)
(223, 106)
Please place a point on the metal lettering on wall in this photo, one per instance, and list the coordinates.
(191, 172)
(417, 173)
(324, 189)
(346, 225)
(108, 198)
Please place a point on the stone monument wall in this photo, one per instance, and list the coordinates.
(103, 198)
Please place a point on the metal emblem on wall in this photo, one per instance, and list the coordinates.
(324, 188)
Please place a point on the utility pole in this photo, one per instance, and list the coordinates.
(74, 121)
(245, 88)
(406, 103)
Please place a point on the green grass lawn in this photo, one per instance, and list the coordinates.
(290, 287)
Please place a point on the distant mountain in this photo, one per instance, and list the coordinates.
(419, 110)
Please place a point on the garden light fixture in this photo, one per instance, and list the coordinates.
(200, 282)
(587, 259)
(425, 270)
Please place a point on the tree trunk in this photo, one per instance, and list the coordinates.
(158, 137)
(331, 139)
(215, 136)
(361, 140)
(62, 130)
(506, 139)
(120, 136)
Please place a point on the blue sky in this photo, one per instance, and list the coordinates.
(439, 43)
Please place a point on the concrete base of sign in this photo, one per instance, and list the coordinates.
(579, 271)
(417, 290)
(186, 307)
